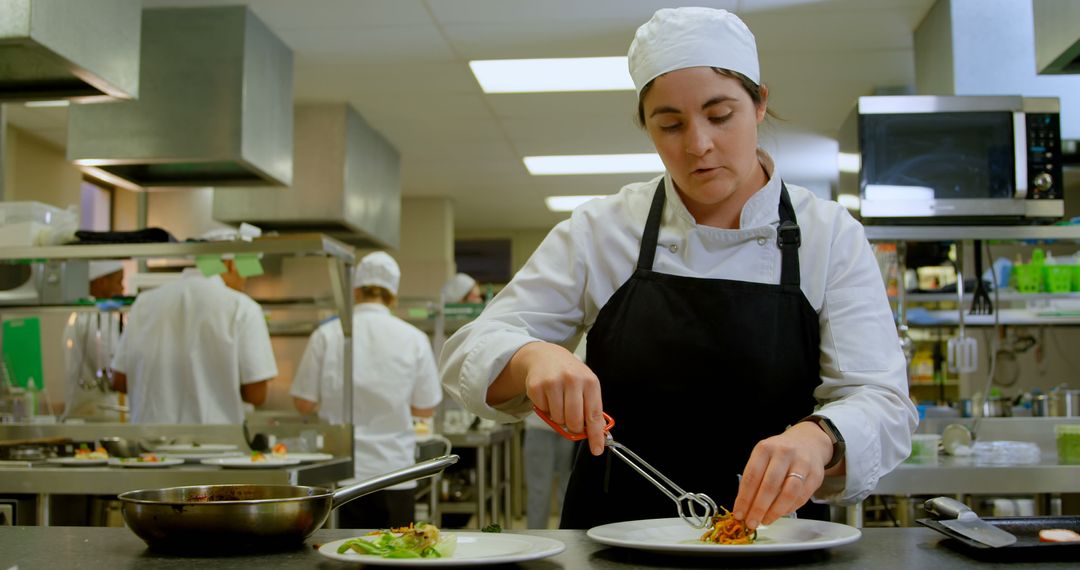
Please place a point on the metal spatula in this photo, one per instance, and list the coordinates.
(963, 351)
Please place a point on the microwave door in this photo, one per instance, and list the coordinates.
(939, 165)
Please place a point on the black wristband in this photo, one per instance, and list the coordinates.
(838, 445)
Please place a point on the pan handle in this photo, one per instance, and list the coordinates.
(378, 483)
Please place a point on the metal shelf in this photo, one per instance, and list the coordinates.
(284, 245)
(959, 233)
(1002, 296)
(1012, 317)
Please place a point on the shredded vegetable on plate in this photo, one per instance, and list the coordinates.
(421, 540)
(726, 529)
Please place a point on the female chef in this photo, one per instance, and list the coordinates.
(736, 324)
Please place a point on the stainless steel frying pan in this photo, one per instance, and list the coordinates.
(216, 517)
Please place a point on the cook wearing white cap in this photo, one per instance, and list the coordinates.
(461, 288)
(722, 306)
(394, 379)
(194, 351)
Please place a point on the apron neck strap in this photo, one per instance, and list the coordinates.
(788, 239)
(788, 236)
(652, 230)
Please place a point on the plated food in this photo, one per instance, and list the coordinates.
(673, 535)
(254, 461)
(422, 540)
(84, 452)
(418, 546)
(726, 530)
(145, 460)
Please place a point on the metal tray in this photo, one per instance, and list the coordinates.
(1027, 542)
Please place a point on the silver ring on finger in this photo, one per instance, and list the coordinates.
(798, 476)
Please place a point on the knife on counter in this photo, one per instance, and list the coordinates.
(959, 518)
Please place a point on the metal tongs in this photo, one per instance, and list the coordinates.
(689, 504)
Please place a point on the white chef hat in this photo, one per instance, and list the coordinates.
(677, 38)
(103, 268)
(457, 287)
(378, 269)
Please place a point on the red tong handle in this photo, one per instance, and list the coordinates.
(562, 430)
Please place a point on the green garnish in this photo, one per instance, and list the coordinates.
(420, 541)
(493, 527)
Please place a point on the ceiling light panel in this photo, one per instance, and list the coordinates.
(551, 75)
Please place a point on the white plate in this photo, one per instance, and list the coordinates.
(197, 457)
(674, 535)
(309, 457)
(247, 463)
(133, 462)
(197, 448)
(473, 549)
(76, 462)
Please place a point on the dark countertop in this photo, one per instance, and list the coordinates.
(51, 548)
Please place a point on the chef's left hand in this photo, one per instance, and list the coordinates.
(767, 490)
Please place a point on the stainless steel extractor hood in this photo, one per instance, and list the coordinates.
(215, 106)
(347, 183)
(59, 49)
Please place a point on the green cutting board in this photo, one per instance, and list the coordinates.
(22, 350)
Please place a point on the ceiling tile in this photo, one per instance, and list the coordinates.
(379, 46)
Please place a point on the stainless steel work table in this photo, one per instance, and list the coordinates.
(966, 476)
(50, 479)
(43, 480)
(31, 548)
(493, 475)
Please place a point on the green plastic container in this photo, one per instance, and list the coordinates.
(1059, 278)
(1029, 277)
(1068, 443)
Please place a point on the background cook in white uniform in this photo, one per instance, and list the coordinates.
(393, 377)
(193, 350)
(560, 290)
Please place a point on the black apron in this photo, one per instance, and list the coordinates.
(695, 372)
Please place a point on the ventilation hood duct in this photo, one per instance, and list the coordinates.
(58, 49)
(214, 108)
(1057, 36)
(347, 183)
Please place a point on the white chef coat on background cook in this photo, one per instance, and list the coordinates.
(584, 260)
(188, 347)
(393, 369)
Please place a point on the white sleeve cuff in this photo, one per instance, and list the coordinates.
(482, 364)
(862, 457)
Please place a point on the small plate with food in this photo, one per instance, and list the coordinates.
(725, 537)
(79, 461)
(425, 545)
(145, 461)
(84, 457)
(256, 460)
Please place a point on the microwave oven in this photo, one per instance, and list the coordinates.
(953, 159)
(52, 282)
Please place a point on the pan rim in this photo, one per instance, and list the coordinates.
(128, 496)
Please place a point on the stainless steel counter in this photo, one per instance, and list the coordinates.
(49, 479)
(963, 475)
(31, 548)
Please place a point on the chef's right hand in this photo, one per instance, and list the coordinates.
(560, 384)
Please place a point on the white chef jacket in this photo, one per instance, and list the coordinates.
(556, 296)
(188, 347)
(393, 369)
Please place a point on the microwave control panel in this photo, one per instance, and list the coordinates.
(1044, 156)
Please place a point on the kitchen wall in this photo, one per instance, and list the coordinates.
(522, 242)
(37, 170)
